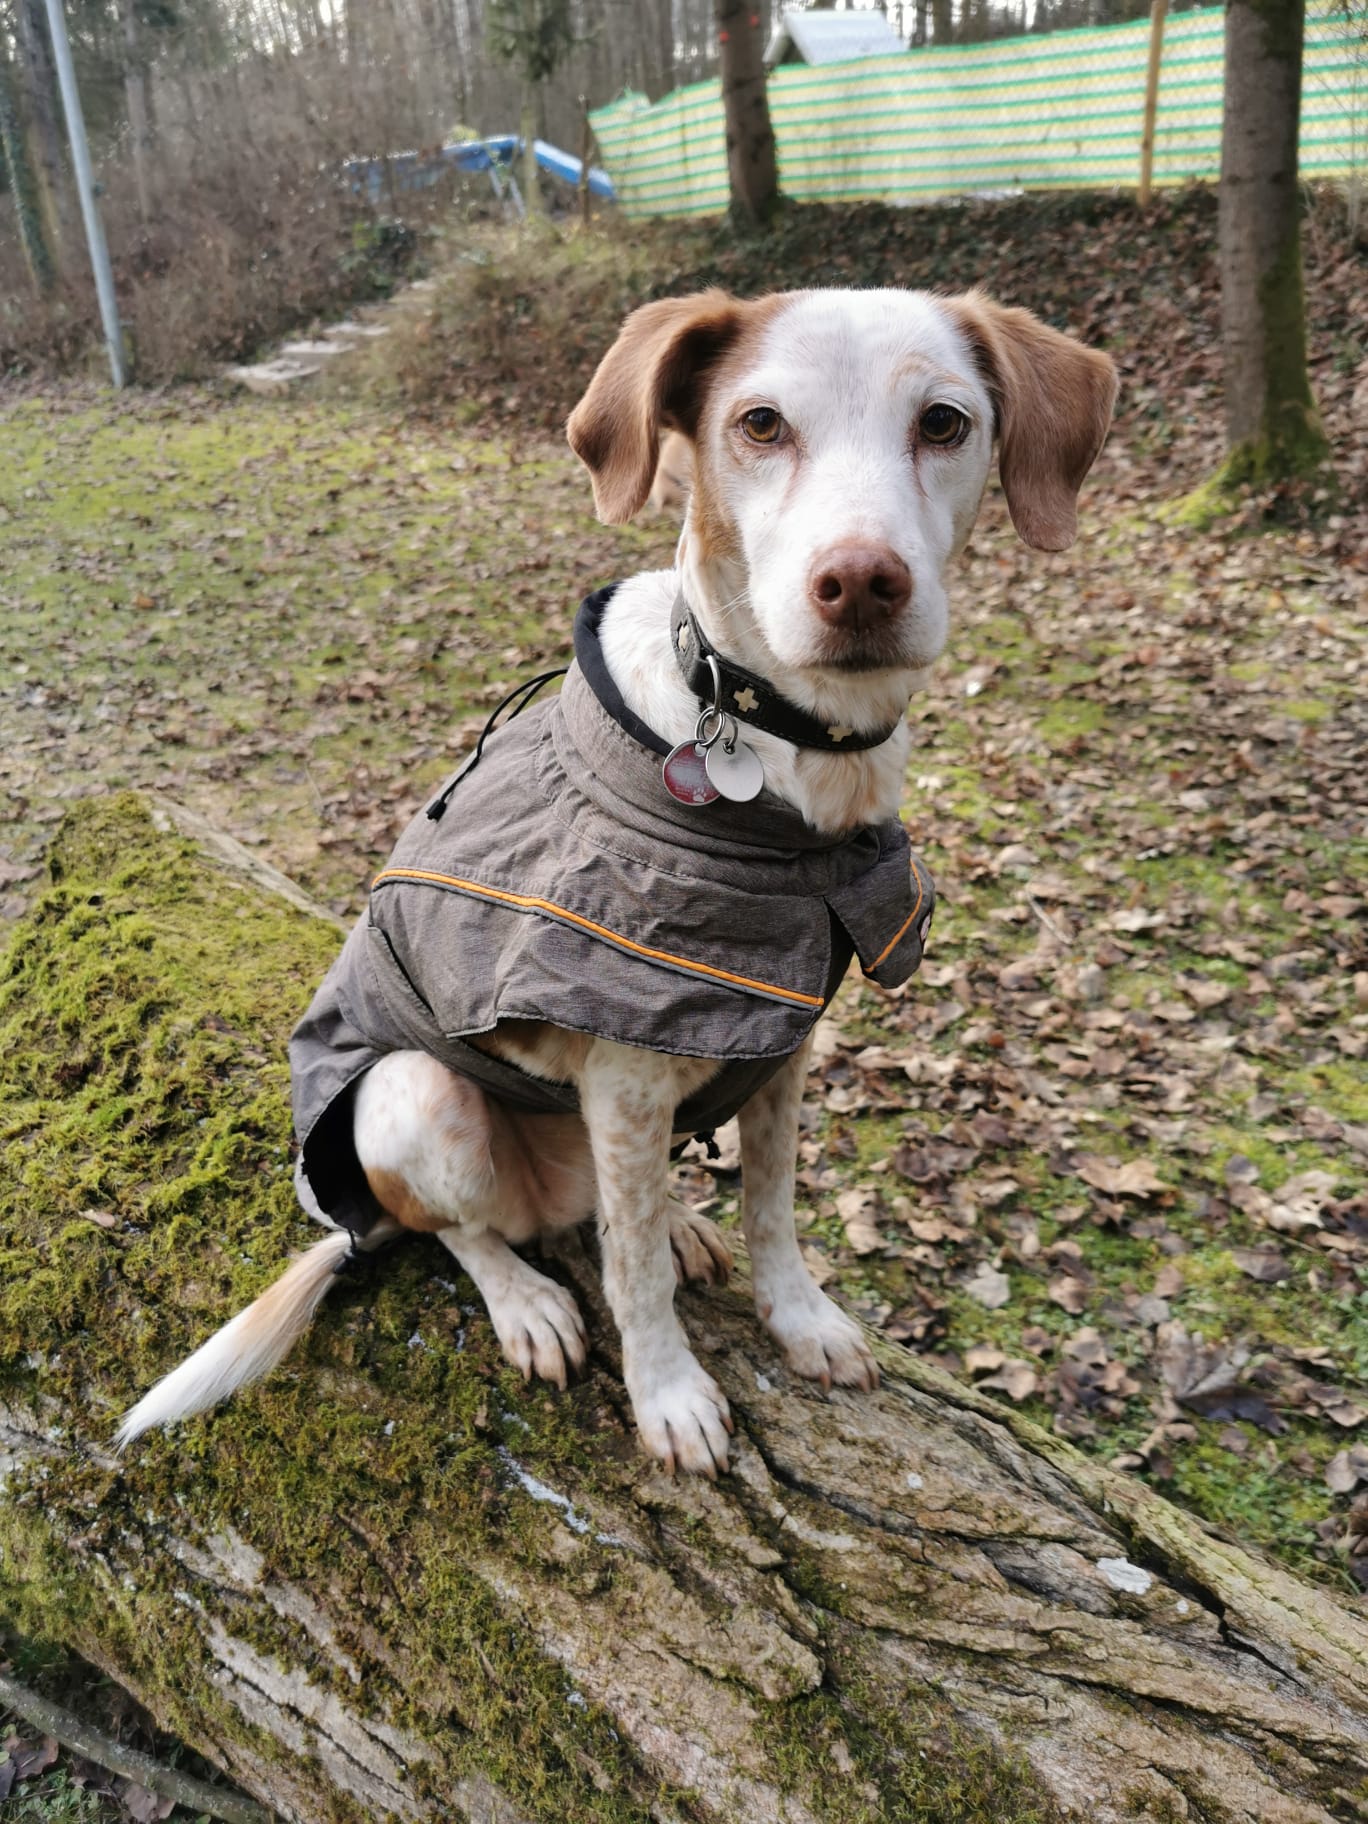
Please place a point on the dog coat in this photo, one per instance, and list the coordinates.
(565, 884)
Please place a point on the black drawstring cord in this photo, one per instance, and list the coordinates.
(354, 1259)
(525, 691)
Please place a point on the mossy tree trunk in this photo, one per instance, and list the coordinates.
(1273, 431)
(28, 207)
(752, 168)
(35, 52)
(394, 1580)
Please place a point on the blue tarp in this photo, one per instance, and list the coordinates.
(419, 170)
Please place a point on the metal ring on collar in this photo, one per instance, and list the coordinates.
(709, 715)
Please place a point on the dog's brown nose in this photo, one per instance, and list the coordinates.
(859, 586)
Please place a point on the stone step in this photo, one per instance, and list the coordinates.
(273, 376)
(308, 350)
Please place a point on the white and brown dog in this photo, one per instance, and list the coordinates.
(841, 442)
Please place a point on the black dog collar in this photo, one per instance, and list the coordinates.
(751, 700)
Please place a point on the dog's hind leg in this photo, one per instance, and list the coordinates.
(700, 1254)
(441, 1158)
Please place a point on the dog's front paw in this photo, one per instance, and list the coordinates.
(683, 1418)
(698, 1248)
(819, 1341)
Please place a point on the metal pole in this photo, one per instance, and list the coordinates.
(1156, 47)
(85, 189)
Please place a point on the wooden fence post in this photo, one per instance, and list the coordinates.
(1158, 13)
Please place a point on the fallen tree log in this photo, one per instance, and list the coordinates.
(395, 1581)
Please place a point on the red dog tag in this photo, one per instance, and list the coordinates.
(685, 772)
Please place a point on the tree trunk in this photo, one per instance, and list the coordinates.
(531, 179)
(36, 57)
(135, 95)
(23, 188)
(393, 1579)
(1273, 430)
(751, 166)
(664, 48)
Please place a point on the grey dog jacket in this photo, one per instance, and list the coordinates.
(564, 884)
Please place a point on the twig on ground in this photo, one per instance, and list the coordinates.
(196, 1795)
(1054, 930)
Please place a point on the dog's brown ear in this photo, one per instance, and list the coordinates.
(652, 379)
(1053, 399)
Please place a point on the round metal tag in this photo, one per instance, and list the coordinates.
(735, 771)
(685, 772)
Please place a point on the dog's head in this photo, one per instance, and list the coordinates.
(841, 443)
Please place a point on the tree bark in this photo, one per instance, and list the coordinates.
(23, 188)
(663, 13)
(531, 176)
(135, 97)
(36, 57)
(394, 1580)
(1273, 431)
(751, 162)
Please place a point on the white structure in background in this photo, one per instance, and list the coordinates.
(822, 37)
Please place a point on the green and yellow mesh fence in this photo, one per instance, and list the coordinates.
(1056, 111)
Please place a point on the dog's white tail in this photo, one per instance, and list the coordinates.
(253, 1343)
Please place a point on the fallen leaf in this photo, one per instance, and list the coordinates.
(822, 1270)
(1017, 1379)
(29, 1759)
(1168, 1281)
(1206, 1378)
(1298, 1203)
(1346, 1469)
(1135, 918)
(1069, 1293)
(982, 1358)
(989, 1286)
(859, 1210)
(141, 1805)
(1128, 1178)
(1266, 1265)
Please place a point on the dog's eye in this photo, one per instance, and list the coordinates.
(943, 424)
(762, 425)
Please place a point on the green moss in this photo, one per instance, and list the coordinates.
(1255, 1494)
(1341, 1088)
(916, 1764)
(1070, 720)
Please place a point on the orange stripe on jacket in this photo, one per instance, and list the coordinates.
(901, 931)
(530, 903)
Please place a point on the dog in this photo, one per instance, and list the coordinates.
(841, 443)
